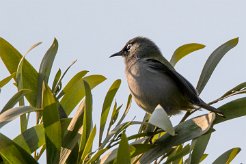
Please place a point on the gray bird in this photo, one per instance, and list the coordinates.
(152, 80)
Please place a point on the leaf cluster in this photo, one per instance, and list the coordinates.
(67, 138)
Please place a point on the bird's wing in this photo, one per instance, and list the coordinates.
(184, 85)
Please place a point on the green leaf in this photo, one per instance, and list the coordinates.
(87, 121)
(228, 156)
(140, 135)
(33, 46)
(178, 154)
(74, 90)
(143, 127)
(123, 155)
(31, 139)
(74, 157)
(59, 83)
(97, 155)
(117, 130)
(45, 68)
(73, 133)
(135, 150)
(231, 110)
(6, 80)
(11, 58)
(19, 81)
(239, 89)
(160, 119)
(19, 74)
(184, 50)
(13, 113)
(199, 148)
(15, 99)
(52, 125)
(73, 81)
(55, 81)
(65, 122)
(114, 116)
(204, 156)
(128, 105)
(13, 153)
(107, 105)
(94, 80)
(213, 61)
(88, 145)
(141, 148)
(47, 62)
(185, 131)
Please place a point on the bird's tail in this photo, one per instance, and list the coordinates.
(212, 109)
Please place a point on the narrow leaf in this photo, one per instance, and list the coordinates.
(231, 110)
(94, 80)
(52, 125)
(123, 155)
(128, 105)
(114, 116)
(59, 83)
(107, 105)
(45, 68)
(55, 81)
(199, 148)
(88, 110)
(11, 58)
(184, 50)
(228, 156)
(88, 145)
(47, 62)
(31, 139)
(6, 80)
(117, 130)
(87, 121)
(141, 148)
(213, 61)
(140, 135)
(74, 80)
(19, 81)
(185, 131)
(143, 127)
(13, 113)
(96, 156)
(160, 119)
(15, 99)
(13, 153)
(241, 88)
(33, 46)
(74, 90)
(204, 156)
(138, 148)
(179, 154)
(73, 134)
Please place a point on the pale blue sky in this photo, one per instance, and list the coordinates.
(92, 30)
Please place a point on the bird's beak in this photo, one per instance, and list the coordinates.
(116, 54)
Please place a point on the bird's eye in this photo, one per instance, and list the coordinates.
(128, 47)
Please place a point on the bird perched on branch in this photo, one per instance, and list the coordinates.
(152, 80)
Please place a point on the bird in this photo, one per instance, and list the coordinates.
(153, 81)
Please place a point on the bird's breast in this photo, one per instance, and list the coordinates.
(152, 87)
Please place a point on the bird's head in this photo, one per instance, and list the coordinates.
(138, 48)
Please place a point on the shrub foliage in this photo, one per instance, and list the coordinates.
(67, 138)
